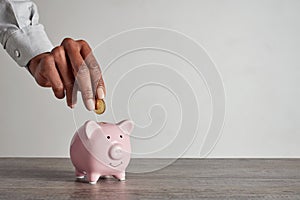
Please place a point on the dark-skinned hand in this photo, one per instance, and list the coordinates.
(69, 68)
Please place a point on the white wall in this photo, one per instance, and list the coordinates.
(255, 45)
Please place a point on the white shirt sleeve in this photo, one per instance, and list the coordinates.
(20, 32)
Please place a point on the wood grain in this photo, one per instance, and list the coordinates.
(52, 178)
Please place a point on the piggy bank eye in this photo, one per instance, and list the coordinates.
(121, 136)
(108, 137)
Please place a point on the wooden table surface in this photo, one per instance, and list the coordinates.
(51, 178)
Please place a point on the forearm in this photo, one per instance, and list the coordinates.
(20, 32)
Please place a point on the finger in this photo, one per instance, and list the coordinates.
(36, 70)
(65, 72)
(53, 77)
(75, 85)
(40, 78)
(94, 68)
(74, 93)
(81, 72)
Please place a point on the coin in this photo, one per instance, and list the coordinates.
(100, 106)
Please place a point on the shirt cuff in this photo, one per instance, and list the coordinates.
(24, 44)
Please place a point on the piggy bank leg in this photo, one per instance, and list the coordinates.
(120, 176)
(79, 174)
(93, 178)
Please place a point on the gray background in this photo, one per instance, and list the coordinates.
(255, 45)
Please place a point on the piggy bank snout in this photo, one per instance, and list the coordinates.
(115, 152)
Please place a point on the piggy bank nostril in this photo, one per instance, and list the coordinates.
(115, 152)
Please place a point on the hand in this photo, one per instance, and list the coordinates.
(72, 60)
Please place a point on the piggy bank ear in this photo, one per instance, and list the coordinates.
(90, 128)
(126, 126)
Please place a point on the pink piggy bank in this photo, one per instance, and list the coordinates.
(101, 149)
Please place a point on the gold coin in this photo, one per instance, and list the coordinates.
(100, 106)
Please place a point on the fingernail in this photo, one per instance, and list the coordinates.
(100, 93)
(72, 106)
(90, 104)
